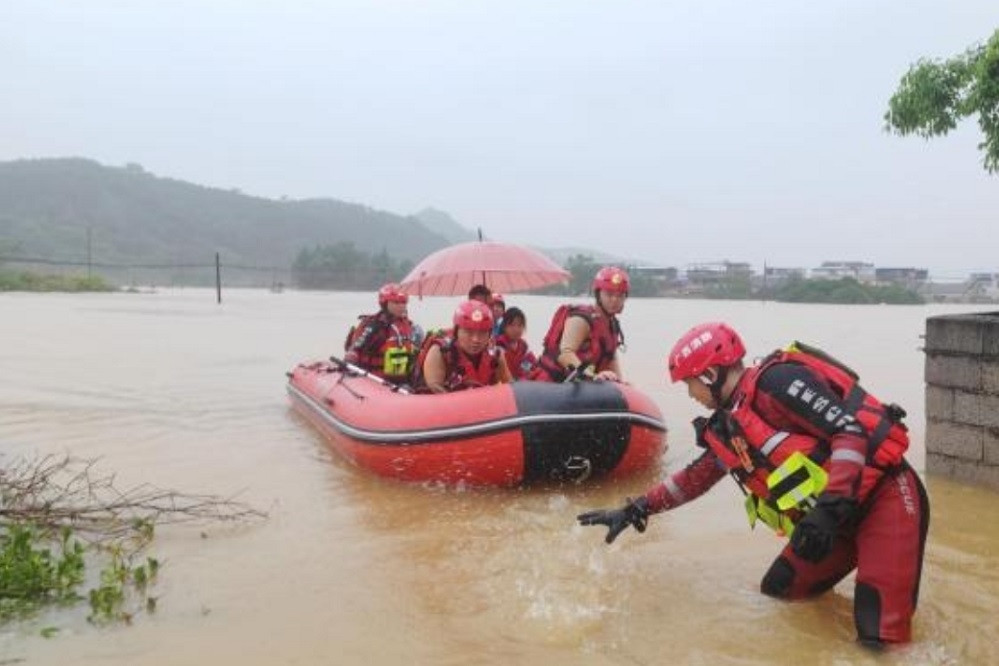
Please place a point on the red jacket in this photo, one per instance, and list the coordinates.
(598, 349)
(519, 358)
(794, 401)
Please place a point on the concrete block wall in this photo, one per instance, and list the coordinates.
(962, 397)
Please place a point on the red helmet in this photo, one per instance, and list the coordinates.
(473, 316)
(391, 293)
(705, 345)
(612, 279)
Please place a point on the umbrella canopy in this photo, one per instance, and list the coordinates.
(503, 267)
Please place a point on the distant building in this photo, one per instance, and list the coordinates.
(660, 273)
(983, 288)
(776, 274)
(834, 270)
(946, 292)
(910, 278)
(718, 272)
(662, 278)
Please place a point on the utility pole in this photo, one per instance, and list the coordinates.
(90, 252)
(218, 279)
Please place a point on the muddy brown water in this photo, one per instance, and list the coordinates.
(169, 388)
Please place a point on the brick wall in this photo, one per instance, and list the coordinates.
(962, 397)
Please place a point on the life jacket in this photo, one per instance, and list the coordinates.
(519, 358)
(597, 350)
(783, 472)
(384, 345)
(462, 372)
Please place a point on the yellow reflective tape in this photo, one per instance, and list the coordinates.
(811, 486)
(758, 510)
(751, 512)
(395, 362)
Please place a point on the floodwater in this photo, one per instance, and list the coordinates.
(171, 389)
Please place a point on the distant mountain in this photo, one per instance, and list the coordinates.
(52, 208)
(443, 224)
(48, 207)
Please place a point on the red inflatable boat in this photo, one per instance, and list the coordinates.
(505, 435)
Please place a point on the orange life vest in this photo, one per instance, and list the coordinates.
(381, 338)
(462, 372)
(597, 350)
(751, 448)
(519, 358)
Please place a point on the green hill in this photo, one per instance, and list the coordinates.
(48, 207)
(441, 223)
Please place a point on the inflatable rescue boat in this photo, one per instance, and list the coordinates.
(504, 435)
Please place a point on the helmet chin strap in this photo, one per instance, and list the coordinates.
(596, 296)
(716, 386)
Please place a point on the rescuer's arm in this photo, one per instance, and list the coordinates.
(679, 488)
(435, 370)
(686, 484)
(574, 334)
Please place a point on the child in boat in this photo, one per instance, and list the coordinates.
(498, 304)
(519, 358)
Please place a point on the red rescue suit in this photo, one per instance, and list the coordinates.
(598, 349)
(519, 358)
(462, 371)
(379, 337)
(796, 401)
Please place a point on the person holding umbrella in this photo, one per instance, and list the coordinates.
(585, 338)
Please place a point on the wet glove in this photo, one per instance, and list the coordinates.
(813, 537)
(634, 512)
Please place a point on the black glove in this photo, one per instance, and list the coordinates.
(634, 512)
(813, 537)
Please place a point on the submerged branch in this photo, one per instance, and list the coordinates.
(55, 492)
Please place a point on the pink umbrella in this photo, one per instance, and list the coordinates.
(502, 267)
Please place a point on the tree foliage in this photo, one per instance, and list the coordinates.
(343, 266)
(934, 95)
(31, 281)
(845, 290)
(583, 267)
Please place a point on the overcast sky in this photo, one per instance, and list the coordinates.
(676, 132)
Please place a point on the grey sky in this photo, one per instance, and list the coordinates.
(677, 132)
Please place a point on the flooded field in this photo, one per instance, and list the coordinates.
(171, 389)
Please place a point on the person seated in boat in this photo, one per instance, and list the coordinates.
(498, 305)
(586, 338)
(480, 293)
(463, 357)
(384, 343)
(519, 358)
